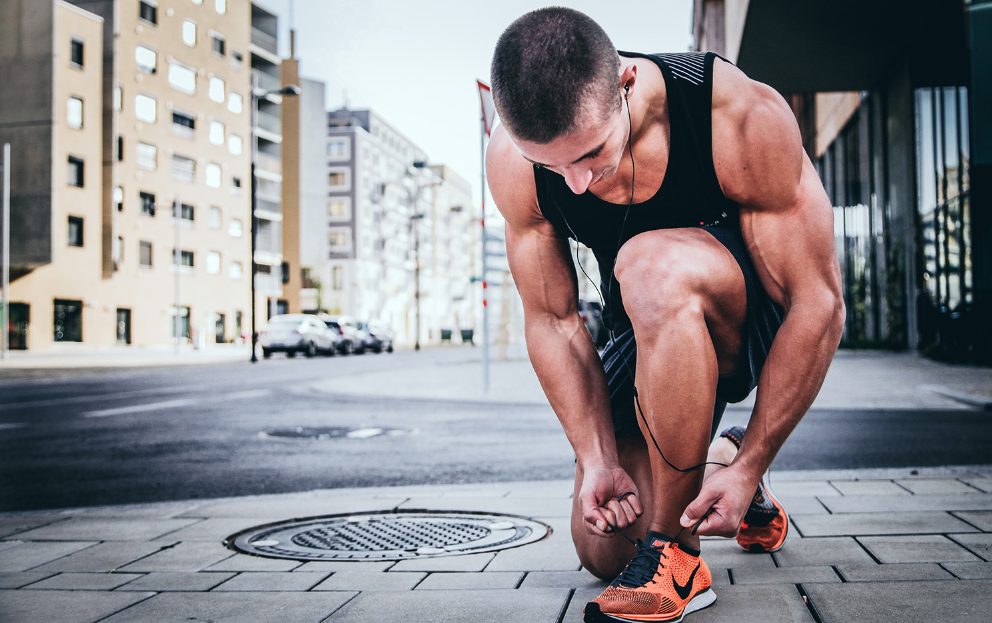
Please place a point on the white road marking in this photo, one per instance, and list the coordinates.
(175, 404)
(364, 433)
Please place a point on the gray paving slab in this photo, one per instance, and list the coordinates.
(893, 572)
(936, 486)
(104, 529)
(556, 554)
(980, 544)
(63, 606)
(155, 510)
(276, 509)
(527, 507)
(728, 554)
(192, 556)
(785, 575)
(85, 581)
(244, 562)
(371, 581)
(103, 556)
(471, 581)
(562, 579)
(578, 603)
(909, 503)
(984, 484)
(801, 503)
(213, 529)
(980, 519)
(340, 565)
(27, 555)
(5, 544)
(970, 570)
(272, 581)
(858, 524)
(18, 579)
(11, 525)
(897, 602)
(548, 489)
(468, 563)
(822, 551)
(539, 605)
(177, 581)
(916, 548)
(759, 603)
(808, 488)
(264, 607)
(869, 487)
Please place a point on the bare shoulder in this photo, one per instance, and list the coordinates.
(757, 148)
(511, 181)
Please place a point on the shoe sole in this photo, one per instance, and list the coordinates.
(758, 549)
(703, 600)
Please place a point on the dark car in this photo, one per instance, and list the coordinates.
(591, 313)
(380, 336)
(352, 338)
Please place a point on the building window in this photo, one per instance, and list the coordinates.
(182, 258)
(123, 325)
(216, 133)
(234, 228)
(235, 183)
(221, 6)
(338, 179)
(183, 168)
(68, 321)
(182, 211)
(234, 103)
(146, 59)
(337, 281)
(189, 32)
(75, 171)
(119, 198)
(76, 52)
(145, 108)
(213, 175)
(218, 44)
(182, 78)
(183, 124)
(75, 231)
(339, 208)
(118, 251)
(74, 112)
(219, 329)
(145, 253)
(339, 149)
(234, 145)
(119, 144)
(148, 11)
(147, 156)
(234, 270)
(147, 203)
(216, 92)
(213, 263)
(214, 218)
(181, 325)
(339, 239)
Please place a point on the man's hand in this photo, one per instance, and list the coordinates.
(608, 496)
(721, 503)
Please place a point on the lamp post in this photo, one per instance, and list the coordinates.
(288, 90)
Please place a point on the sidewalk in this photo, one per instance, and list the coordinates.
(83, 356)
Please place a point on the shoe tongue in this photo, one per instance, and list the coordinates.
(656, 539)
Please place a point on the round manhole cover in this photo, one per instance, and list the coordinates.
(388, 536)
(330, 432)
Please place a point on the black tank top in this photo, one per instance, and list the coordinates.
(689, 195)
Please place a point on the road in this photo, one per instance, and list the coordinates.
(82, 438)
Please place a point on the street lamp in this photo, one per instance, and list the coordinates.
(288, 90)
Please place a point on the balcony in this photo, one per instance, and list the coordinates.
(269, 122)
(264, 40)
(265, 82)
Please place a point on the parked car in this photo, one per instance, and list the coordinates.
(381, 337)
(296, 333)
(591, 313)
(352, 338)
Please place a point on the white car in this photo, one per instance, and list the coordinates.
(296, 333)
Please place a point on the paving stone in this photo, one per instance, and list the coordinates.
(909, 503)
(272, 581)
(577, 604)
(11, 525)
(785, 575)
(759, 603)
(265, 607)
(936, 486)
(177, 581)
(721, 576)
(728, 554)
(801, 504)
(22, 578)
(63, 606)
(485, 606)
(244, 562)
(970, 570)
(980, 544)
(24, 556)
(278, 508)
(470, 581)
(893, 572)
(809, 488)
(5, 544)
(980, 519)
(916, 548)
(857, 524)
(897, 602)
(527, 507)
(823, 551)
(85, 581)
(103, 557)
(104, 529)
(557, 554)
(340, 565)
(192, 556)
(214, 529)
(549, 490)
(562, 579)
(985, 484)
(470, 562)
(868, 487)
(370, 581)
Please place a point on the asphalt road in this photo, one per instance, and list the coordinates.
(82, 438)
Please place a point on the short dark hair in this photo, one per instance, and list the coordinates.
(548, 65)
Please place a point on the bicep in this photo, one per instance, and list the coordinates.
(542, 270)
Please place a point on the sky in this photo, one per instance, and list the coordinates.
(416, 62)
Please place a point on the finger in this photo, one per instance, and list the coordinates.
(698, 508)
(596, 523)
(635, 503)
(715, 524)
(615, 507)
(629, 511)
(609, 515)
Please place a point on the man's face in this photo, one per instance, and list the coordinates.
(586, 156)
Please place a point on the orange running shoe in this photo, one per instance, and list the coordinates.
(766, 524)
(664, 582)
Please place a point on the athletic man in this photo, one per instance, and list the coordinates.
(714, 236)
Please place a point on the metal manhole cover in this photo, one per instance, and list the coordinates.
(388, 536)
(330, 432)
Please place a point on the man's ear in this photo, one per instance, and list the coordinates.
(628, 76)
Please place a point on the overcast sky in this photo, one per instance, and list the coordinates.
(415, 63)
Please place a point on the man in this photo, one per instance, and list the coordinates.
(714, 239)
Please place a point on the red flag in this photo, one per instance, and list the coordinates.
(488, 107)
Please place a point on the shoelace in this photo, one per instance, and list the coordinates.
(642, 569)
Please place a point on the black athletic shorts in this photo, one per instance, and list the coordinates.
(764, 317)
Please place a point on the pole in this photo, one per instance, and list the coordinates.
(254, 219)
(177, 258)
(5, 314)
(485, 262)
(416, 279)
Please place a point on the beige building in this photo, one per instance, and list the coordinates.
(131, 184)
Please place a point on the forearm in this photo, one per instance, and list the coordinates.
(790, 380)
(571, 374)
